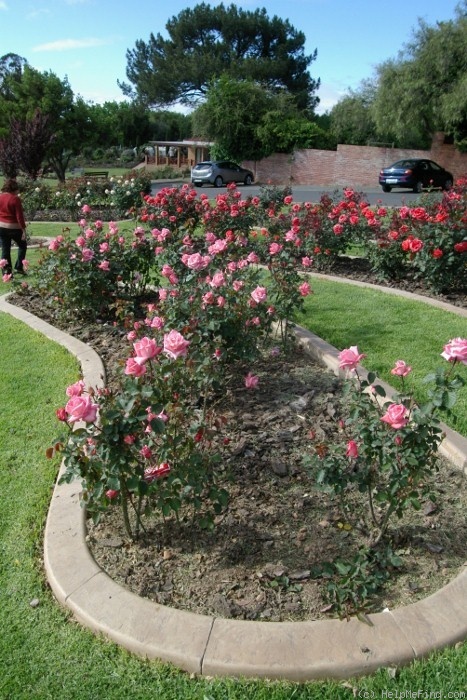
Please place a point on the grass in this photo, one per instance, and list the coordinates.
(44, 654)
(387, 328)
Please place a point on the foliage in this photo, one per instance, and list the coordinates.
(351, 584)
(96, 273)
(388, 445)
(427, 242)
(206, 42)
(387, 449)
(423, 90)
(351, 118)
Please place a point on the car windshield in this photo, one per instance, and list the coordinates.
(204, 164)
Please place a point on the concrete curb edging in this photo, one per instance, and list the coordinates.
(211, 646)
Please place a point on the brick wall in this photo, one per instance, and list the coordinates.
(354, 166)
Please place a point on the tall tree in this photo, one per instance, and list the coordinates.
(423, 90)
(351, 119)
(206, 42)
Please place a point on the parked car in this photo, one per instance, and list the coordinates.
(415, 174)
(219, 172)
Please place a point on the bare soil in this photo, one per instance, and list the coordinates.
(259, 562)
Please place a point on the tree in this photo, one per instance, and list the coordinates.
(33, 137)
(249, 122)
(11, 69)
(423, 90)
(351, 119)
(206, 42)
(229, 116)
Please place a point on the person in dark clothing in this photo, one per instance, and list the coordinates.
(12, 226)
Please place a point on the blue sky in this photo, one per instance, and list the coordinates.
(86, 40)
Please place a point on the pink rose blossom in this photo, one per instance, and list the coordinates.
(104, 266)
(396, 416)
(349, 358)
(133, 368)
(305, 289)
(3, 263)
(275, 248)
(153, 473)
(81, 408)
(218, 279)
(352, 449)
(456, 350)
(7, 277)
(87, 254)
(132, 336)
(251, 381)
(146, 452)
(86, 209)
(61, 414)
(146, 349)
(112, 494)
(401, 369)
(197, 261)
(75, 389)
(175, 345)
(259, 294)
(80, 241)
(306, 261)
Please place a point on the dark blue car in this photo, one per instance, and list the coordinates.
(415, 174)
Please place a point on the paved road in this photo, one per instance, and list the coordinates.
(308, 193)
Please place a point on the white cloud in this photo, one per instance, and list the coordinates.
(67, 44)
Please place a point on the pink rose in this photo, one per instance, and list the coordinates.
(352, 449)
(175, 345)
(87, 254)
(146, 349)
(112, 494)
(306, 261)
(81, 408)
(259, 294)
(400, 369)
(153, 473)
(104, 265)
(456, 350)
(218, 279)
(251, 381)
(305, 289)
(349, 358)
(61, 414)
(75, 389)
(133, 368)
(197, 261)
(396, 416)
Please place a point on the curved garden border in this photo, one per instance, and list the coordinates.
(212, 646)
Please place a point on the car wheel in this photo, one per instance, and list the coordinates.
(198, 184)
(218, 182)
(418, 187)
(386, 188)
(447, 185)
(248, 180)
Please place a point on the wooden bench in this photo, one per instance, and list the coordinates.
(102, 174)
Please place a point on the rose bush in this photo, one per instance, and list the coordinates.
(388, 446)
